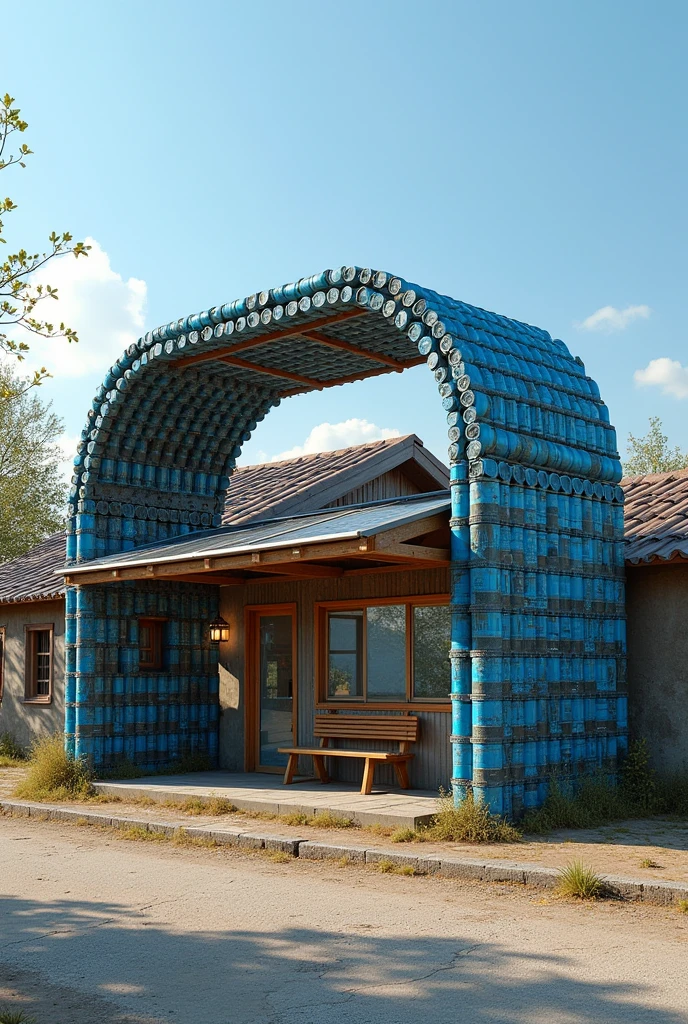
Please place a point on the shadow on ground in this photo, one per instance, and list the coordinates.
(149, 974)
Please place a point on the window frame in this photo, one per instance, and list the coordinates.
(31, 663)
(157, 625)
(3, 645)
(324, 702)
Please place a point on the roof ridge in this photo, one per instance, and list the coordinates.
(334, 451)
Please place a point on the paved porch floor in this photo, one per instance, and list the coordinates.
(263, 792)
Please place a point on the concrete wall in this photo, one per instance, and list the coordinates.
(657, 605)
(27, 722)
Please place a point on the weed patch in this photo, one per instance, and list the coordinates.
(388, 867)
(470, 821)
(647, 863)
(404, 835)
(11, 752)
(54, 775)
(682, 906)
(138, 834)
(15, 1017)
(213, 806)
(279, 856)
(182, 838)
(578, 881)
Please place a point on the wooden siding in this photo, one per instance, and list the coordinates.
(394, 484)
(431, 766)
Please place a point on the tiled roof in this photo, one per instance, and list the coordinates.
(31, 577)
(273, 489)
(314, 481)
(656, 515)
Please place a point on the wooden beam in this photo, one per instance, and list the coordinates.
(309, 570)
(323, 339)
(221, 581)
(413, 552)
(417, 529)
(264, 339)
(352, 377)
(353, 548)
(271, 371)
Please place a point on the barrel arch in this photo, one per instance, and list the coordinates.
(537, 561)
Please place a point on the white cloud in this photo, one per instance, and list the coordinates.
(609, 318)
(668, 374)
(106, 311)
(327, 437)
(69, 444)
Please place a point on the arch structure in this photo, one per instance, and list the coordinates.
(538, 644)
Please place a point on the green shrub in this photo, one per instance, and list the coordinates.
(578, 881)
(637, 778)
(53, 774)
(470, 821)
(15, 1017)
(682, 906)
(404, 835)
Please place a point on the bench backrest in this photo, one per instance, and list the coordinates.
(399, 728)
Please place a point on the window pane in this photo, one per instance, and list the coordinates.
(344, 631)
(345, 647)
(386, 652)
(42, 663)
(431, 643)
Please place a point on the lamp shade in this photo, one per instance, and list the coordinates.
(219, 631)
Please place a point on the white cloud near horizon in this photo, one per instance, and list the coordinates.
(105, 310)
(609, 318)
(327, 437)
(668, 374)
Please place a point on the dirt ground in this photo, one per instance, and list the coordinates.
(618, 849)
(96, 929)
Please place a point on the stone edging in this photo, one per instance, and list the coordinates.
(468, 869)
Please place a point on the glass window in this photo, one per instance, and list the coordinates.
(2, 657)
(386, 652)
(345, 654)
(39, 663)
(431, 644)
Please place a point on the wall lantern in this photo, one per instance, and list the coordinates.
(219, 631)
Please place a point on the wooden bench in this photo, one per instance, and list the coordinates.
(401, 729)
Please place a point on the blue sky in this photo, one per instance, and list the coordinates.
(526, 157)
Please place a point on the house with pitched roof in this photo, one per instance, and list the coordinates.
(657, 608)
(276, 639)
(32, 587)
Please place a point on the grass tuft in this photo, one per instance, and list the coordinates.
(296, 818)
(15, 1017)
(404, 835)
(137, 833)
(11, 752)
(279, 856)
(647, 863)
(326, 819)
(470, 821)
(578, 881)
(182, 838)
(54, 775)
(682, 906)
(385, 866)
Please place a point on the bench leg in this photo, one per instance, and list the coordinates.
(292, 765)
(368, 777)
(320, 769)
(402, 774)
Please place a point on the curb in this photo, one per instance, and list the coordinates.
(462, 868)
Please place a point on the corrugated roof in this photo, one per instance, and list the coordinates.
(656, 516)
(344, 523)
(290, 487)
(31, 577)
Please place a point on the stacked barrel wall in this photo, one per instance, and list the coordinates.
(537, 660)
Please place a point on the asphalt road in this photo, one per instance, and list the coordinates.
(95, 929)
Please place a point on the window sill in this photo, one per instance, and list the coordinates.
(37, 700)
